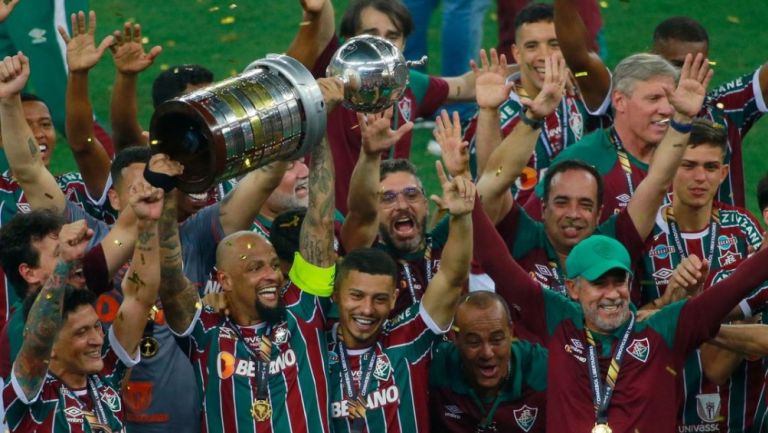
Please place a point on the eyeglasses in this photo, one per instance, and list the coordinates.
(411, 194)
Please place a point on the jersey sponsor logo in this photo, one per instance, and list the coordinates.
(525, 416)
(708, 407)
(661, 251)
(227, 365)
(452, 411)
(639, 349)
(527, 179)
(38, 36)
(383, 368)
(111, 399)
(725, 242)
(697, 428)
(23, 207)
(728, 259)
(543, 270)
(623, 199)
(575, 347)
(374, 400)
(74, 415)
(405, 108)
(662, 275)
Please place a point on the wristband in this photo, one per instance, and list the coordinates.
(683, 128)
(534, 124)
(159, 180)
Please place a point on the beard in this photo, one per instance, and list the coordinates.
(591, 312)
(271, 314)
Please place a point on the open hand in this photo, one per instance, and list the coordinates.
(455, 151)
(692, 86)
(82, 52)
(376, 132)
(128, 51)
(491, 87)
(551, 93)
(458, 193)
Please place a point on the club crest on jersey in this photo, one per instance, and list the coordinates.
(708, 407)
(383, 368)
(281, 334)
(111, 399)
(640, 349)
(525, 416)
(728, 259)
(662, 251)
(404, 105)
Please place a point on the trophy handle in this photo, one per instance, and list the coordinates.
(418, 63)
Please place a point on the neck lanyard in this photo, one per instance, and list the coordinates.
(487, 425)
(356, 400)
(261, 360)
(558, 275)
(677, 237)
(602, 392)
(93, 393)
(626, 166)
(427, 271)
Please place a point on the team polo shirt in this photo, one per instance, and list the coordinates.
(527, 240)
(562, 128)
(596, 149)
(226, 373)
(57, 409)
(737, 105)
(422, 98)
(415, 269)
(707, 406)
(396, 397)
(13, 201)
(522, 400)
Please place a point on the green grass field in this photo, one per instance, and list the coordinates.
(227, 35)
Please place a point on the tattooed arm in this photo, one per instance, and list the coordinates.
(45, 317)
(179, 297)
(21, 148)
(316, 239)
(141, 284)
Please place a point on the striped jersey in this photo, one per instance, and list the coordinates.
(729, 407)
(13, 201)
(58, 409)
(737, 105)
(562, 128)
(396, 396)
(226, 373)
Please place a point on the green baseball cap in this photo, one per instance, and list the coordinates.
(596, 255)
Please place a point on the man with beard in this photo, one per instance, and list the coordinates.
(379, 364)
(261, 367)
(487, 380)
(606, 370)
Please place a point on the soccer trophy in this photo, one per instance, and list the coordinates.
(273, 111)
(374, 72)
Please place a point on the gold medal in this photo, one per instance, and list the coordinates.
(261, 410)
(149, 347)
(601, 428)
(357, 408)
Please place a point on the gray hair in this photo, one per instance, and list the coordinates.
(641, 67)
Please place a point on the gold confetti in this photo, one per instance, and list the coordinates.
(164, 67)
(89, 140)
(494, 17)
(48, 295)
(248, 162)
(733, 19)
(720, 105)
(498, 171)
(229, 37)
(712, 62)
(213, 9)
(604, 4)
(154, 142)
(227, 20)
(581, 74)
(118, 243)
(243, 257)
(233, 6)
(198, 305)
(145, 40)
(232, 73)
(249, 246)
(170, 44)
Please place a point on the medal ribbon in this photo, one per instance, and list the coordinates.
(626, 166)
(427, 270)
(713, 230)
(602, 392)
(366, 372)
(261, 360)
(93, 393)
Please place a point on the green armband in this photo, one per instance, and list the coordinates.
(310, 278)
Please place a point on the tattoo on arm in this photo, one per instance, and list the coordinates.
(135, 278)
(316, 239)
(43, 324)
(33, 147)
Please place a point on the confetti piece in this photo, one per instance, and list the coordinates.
(232, 73)
(145, 40)
(213, 9)
(720, 105)
(248, 162)
(243, 257)
(712, 62)
(733, 19)
(164, 67)
(48, 295)
(604, 4)
(154, 142)
(494, 17)
(89, 140)
(227, 20)
(229, 37)
(170, 44)
(233, 6)
(581, 74)
(498, 171)
(249, 246)
(118, 243)
(198, 305)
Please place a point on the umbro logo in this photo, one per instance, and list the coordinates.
(453, 411)
(38, 36)
(662, 274)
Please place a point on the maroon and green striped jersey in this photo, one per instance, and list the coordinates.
(598, 150)
(396, 396)
(562, 128)
(737, 105)
(729, 407)
(226, 370)
(646, 395)
(521, 407)
(58, 409)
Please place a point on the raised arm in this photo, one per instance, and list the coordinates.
(316, 29)
(6, 8)
(362, 221)
(491, 90)
(20, 146)
(731, 345)
(82, 55)
(130, 60)
(445, 288)
(592, 76)
(508, 160)
(241, 206)
(178, 295)
(45, 317)
(687, 100)
(141, 283)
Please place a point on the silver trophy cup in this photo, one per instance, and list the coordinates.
(374, 72)
(273, 111)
